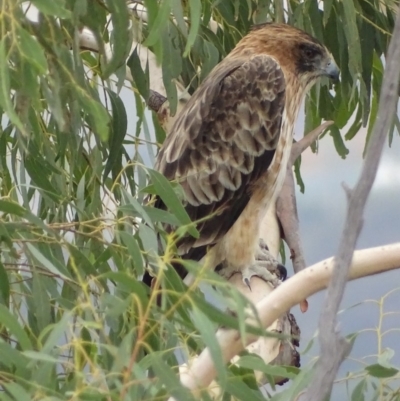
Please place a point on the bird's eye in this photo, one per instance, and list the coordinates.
(309, 53)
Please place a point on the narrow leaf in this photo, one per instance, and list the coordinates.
(168, 196)
(119, 125)
(32, 51)
(4, 286)
(195, 14)
(120, 37)
(140, 77)
(45, 262)
(134, 251)
(56, 8)
(9, 321)
(207, 331)
(5, 89)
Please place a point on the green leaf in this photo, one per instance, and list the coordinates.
(45, 262)
(4, 286)
(159, 215)
(161, 20)
(32, 51)
(149, 240)
(57, 331)
(377, 370)
(352, 36)
(140, 77)
(297, 173)
(172, 59)
(159, 130)
(98, 114)
(11, 356)
(17, 391)
(236, 387)
(327, 10)
(169, 379)
(5, 89)
(55, 8)
(195, 14)
(168, 196)
(359, 390)
(12, 208)
(128, 284)
(40, 356)
(355, 127)
(254, 362)
(139, 210)
(338, 141)
(119, 126)
(178, 14)
(299, 383)
(120, 37)
(41, 301)
(81, 261)
(39, 172)
(134, 251)
(9, 321)
(207, 331)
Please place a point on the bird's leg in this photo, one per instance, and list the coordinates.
(265, 267)
(259, 269)
(272, 264)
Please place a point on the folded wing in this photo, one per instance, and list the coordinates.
(222, 143)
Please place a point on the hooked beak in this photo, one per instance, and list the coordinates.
(331, 70)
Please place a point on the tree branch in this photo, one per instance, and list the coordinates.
(365, 262)
(334, 348)
(286, 207)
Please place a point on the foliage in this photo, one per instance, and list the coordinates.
(76, 322)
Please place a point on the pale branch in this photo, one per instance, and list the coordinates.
(300, 146)
(334, 348)
(270, 307)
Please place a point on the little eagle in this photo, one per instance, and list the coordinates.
(230, 145)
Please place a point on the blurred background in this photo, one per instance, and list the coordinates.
(322, 212)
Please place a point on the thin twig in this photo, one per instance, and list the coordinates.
(335, 348)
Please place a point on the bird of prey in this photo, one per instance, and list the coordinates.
(230, 145)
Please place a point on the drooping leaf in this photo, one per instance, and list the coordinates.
(55, 8)
(121, 38)
(140, 77)
(11, 323)
(168, 196)
(119, 125)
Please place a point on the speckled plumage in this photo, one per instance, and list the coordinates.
(230, 145)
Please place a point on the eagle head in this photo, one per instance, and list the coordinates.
(300, 55)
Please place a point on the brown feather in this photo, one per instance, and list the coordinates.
(229, 146)
(224, 142)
